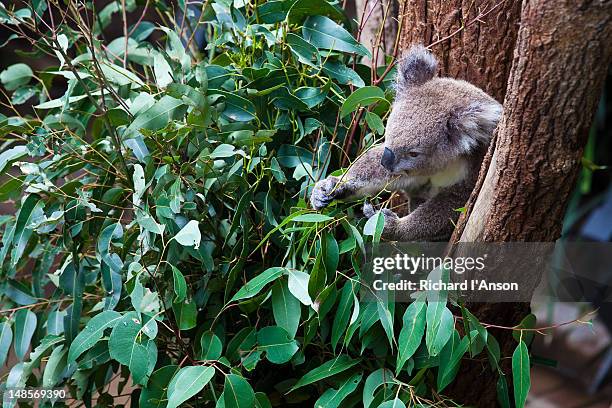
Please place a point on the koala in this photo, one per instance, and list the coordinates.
(437, 134)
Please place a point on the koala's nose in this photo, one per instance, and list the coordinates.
(388, 159)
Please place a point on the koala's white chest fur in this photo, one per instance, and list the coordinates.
(429, 185)
(454, 173)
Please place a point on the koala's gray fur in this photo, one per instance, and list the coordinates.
(436, 136)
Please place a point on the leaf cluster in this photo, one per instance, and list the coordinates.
(162, 238)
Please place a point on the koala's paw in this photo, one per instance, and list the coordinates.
(324, 192)
(391, 218)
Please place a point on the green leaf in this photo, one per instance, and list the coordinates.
(129, 346)
(375, 122)
(119, 75)
(332, 397)
(31, 205)
(298, 286)
(185, 314)
(187, 382)
(377, 378)
(15, 76)
(255, 285)
(343, 313)
(318, 277)
(25, 325)
(192, 97)
(162, 70)
(413, 328)
(92, 332)
(223, 151)
(450, 359)
(11, 154)
(277, 343)
(385, 309)
(331, 254)
(272, 12)
(304, 8)
(394, 403)
(312, 217)
(189, 235)
(312, 97)
(262, 401)
(303, 50)
(210, 346)
(362, 97)
(286, 308)
(179, 285)
(493, 352)
(440, 320)
(6, 338)
(503, 395)
(144, 300)
(479, 337)
(56, 364)
(374, 226)
(342, 73)
(237, 108)
(521, 380)
(154, 395)
(154, 118)
(237, 392)
(440, 325)
(325, 33)
(325, 370)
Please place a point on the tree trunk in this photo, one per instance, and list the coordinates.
(562, 55)
(473, 39)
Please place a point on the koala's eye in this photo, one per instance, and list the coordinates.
(413, 154)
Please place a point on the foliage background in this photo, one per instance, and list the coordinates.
(162, 239)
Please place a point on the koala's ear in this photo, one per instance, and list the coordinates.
(416, 67)
(474, 124)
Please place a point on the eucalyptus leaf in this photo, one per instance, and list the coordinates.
(376, 379)
(94, 329)
(277, 343)
(6, 339)
(255, 285)
(189, 235)
(286, 308)
(332, 398)
(186, 383)
(327, 369)
(211, 347)
(521, 380)
(362, 97)
(411, 334)
(325, 33)
(25, 325)
(237, 392)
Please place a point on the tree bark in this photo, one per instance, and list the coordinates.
(561, 59)
(473, 39)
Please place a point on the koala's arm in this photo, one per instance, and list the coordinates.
(431, 221)
(365, 176)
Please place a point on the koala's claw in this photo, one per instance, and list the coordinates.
(324, 192)
(369, 211)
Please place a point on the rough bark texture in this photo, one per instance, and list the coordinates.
(562, 55)
(372, 14)
(480, 52)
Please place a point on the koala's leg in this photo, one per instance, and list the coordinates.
(433, 220)
(365, 176)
